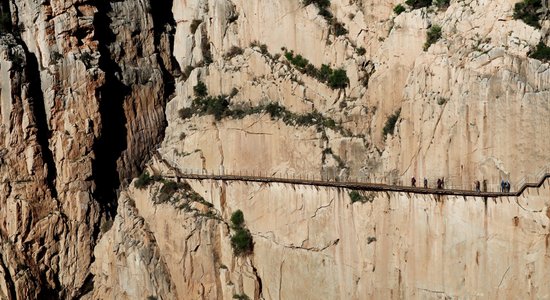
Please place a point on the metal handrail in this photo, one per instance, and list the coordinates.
(334, 176)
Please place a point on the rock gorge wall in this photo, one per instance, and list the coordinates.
(467, 104)
(90, 88)
(396, 245)
(83, 90)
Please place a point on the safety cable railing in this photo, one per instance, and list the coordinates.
(332, 178)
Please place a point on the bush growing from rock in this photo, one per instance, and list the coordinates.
(541, 52)
(237, 218)
(526, 10)
(432, 36)
(398, 9)
(200, 89)
(143, 181)
(415, 4)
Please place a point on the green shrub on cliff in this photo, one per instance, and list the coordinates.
(398, 9)
(432, 36)
(526, 11)
(541, 52)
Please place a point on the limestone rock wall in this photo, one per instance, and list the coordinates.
(474, 94)
(393, 245)
(82, 105)
(90, 89)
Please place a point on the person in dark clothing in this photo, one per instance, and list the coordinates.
(442, 182)
(507, 183)
(484, 185)
(425, 183)
(438, 183)
(502, 184)
(478, 186)
(413, 182)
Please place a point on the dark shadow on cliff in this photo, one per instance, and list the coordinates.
(112, 141)
(165, 24)
(43, 134)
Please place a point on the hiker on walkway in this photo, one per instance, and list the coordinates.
(507, 186)
(442, 182)
(485, 185)
(502, 186)
(439, 185)
(425, 183)
(413, 182)
(478, 186)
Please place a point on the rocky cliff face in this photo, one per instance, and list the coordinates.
(91, 89)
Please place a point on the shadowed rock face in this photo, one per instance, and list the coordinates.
(83, 99)
(90, 89)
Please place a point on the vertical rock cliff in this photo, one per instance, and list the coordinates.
(91, 90)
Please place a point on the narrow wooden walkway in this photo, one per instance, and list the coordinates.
(366, 186)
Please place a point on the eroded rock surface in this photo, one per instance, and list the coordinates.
(90, 90)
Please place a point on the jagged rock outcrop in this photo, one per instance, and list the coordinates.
(83, 104)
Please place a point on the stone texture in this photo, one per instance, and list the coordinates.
(90, 89)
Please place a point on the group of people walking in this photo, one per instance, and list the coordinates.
(504, 184)
(440, 182)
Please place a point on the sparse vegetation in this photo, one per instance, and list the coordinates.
(237, 218)
(360, 51)
(441, 100)
(432, 36)
(168, 189)
(338, 28)
(398, 9)
(336, 79)
(415, 4)
(151, 298)
(233, 51)
(527, 11)
(390, 123)
(200, 90)
(541, 52)
(185, 113)
(143, 181)
(241, 297)
(216, 106)
(442, 3)
(241, 241)
(356, 196)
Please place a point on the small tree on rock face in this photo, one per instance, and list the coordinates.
(338, 79)
(541, 52)
(398, 9)
(432, 36)
(237, 218)
(241, 241)
(200, 89)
